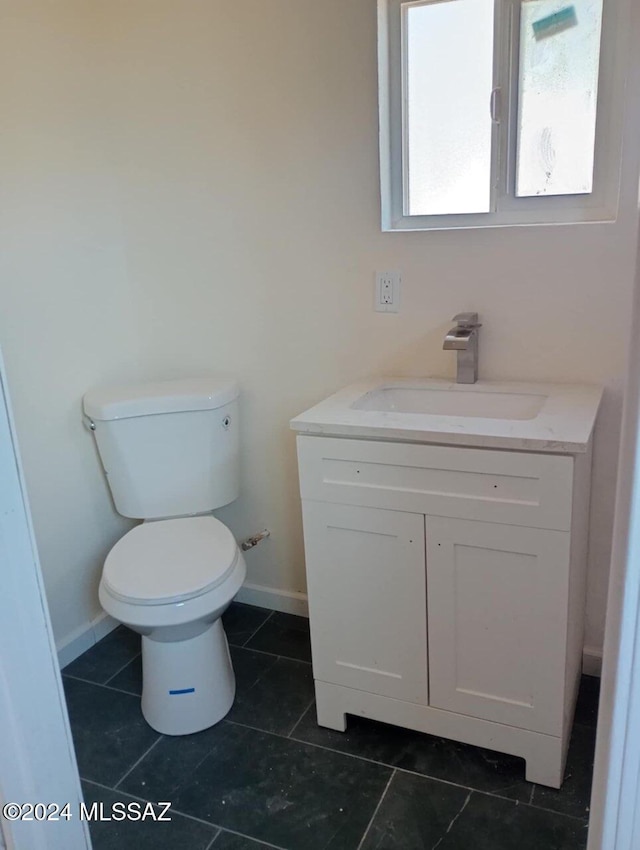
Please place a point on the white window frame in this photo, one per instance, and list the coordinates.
(601, 205)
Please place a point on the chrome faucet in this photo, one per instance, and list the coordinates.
(463, 338)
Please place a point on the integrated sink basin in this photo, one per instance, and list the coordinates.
(455, 401)
(490, 414)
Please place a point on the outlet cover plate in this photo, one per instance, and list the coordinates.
(386, 296)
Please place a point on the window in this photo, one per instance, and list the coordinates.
(497, 112)
(448, 79)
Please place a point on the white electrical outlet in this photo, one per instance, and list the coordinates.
(387, 292)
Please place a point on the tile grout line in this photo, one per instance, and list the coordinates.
(100, 685)
(261, 651)
(263, 623)
(376, 810)
(172, 810)
(271, 654)
(258, 841)
(117, 673)
(129, 794)
(299, 720)
(133, 766)
(278, 655)
(213, 840)
(263, 673)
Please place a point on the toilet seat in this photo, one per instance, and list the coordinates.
(170, 561)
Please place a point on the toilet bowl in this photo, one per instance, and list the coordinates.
(170, 455)
(171, 581)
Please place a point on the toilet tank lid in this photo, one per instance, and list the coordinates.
(128, 400)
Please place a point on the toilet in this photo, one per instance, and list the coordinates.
(170, 455)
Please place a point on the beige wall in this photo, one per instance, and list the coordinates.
(193, 186)
(65, 294)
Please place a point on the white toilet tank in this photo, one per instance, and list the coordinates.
(168, 448)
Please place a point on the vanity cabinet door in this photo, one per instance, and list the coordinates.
(497, 601)
(367, 604)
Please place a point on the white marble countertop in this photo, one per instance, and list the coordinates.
(564, 423)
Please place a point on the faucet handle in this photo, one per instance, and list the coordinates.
(467, 320)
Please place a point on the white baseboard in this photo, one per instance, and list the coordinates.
(84, 638)
(287, 601)
(592, 661)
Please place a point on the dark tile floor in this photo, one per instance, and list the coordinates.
(268, 776)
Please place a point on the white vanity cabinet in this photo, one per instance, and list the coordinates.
(497, 612)
(446, 590)
(352, 548)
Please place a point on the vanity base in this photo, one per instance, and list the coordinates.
(545, 755)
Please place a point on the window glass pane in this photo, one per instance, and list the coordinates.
(448, 67)
(558, 88)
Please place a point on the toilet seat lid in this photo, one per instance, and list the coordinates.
(172, 560)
